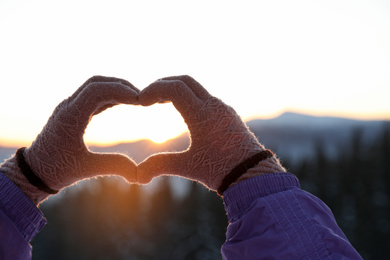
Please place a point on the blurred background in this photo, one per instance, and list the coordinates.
(310, 78)
(342, 161)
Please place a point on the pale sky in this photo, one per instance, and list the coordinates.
(261, 57)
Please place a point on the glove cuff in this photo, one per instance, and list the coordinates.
(242, 168)
(29, 173)
(11, 169)
(267, 166)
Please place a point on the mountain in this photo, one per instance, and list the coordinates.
(140, 150)
(292, 136)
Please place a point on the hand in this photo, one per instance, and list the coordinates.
(219, 139)
(59, 156)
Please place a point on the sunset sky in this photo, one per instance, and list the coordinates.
(261, 57)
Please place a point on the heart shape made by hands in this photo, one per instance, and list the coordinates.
(219, 139)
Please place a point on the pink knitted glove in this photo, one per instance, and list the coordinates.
(221, 143)
(58, 156)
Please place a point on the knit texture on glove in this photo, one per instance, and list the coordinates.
(59, 156)
(219, 138)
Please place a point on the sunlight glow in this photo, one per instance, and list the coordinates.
(157, 123)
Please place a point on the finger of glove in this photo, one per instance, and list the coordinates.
(110, 163)
(102, 108)
(95, 79)
(100, 95)
(176, 91)
(161, 164)
(107, 106)
(197, 88)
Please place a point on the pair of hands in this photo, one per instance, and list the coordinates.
(219, 138)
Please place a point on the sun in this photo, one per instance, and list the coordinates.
(159, 133)
(159, 139)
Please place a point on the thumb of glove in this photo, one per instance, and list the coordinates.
(59, 157)
(161, 164)
(109, 163)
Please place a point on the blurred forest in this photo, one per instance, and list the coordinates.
(105, 219)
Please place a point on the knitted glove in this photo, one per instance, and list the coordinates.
(59, 157)
(221, 144)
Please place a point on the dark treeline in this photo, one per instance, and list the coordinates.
(356, 186)
(105, 219)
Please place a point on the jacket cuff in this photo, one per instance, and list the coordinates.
(239, 197)
(28, 219)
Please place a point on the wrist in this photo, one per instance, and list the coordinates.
(12, 171)
(267, 166)
(259, 161)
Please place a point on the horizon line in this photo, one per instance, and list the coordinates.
(20, 143)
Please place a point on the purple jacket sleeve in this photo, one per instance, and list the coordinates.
(272, 218)
(20, 221)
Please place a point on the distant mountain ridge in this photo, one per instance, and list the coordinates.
(139, 150)
(298, 119)
(295, 136)
(291, 135)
